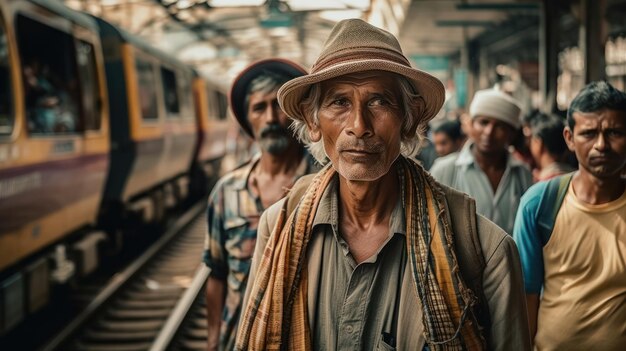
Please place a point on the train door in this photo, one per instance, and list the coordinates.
(145, 121)
(66, 139)
(179, 123)
(11, 284)
(52, 179)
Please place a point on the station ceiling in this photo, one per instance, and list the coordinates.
(222, 36)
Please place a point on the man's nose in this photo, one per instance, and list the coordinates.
(359, 123)
(488, 130)
(600, 143)
(272, 112)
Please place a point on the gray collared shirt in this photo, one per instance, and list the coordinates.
(460, 171)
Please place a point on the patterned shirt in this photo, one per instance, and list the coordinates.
(233, 214)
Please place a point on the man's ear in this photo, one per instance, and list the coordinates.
(568, 135)
(314, 130)
(417, 107)
(314, 133)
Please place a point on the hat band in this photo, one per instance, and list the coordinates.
(360, 55)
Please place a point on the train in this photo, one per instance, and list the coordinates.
(98, 129)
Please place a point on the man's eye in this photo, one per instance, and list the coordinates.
(258, 108)
(339, 102)
(379, 102)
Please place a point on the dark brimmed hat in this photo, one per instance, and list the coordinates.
(239, 89)
(356, 46)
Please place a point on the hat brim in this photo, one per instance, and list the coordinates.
(239, 89)
(431, 89)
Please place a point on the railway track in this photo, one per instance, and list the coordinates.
(144, 307)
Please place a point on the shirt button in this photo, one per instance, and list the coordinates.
(349, 329)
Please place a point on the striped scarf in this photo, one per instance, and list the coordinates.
(276, 315)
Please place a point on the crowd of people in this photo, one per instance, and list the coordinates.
(502, 233)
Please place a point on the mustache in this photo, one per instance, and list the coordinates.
(274, 128)
(606, 154)
(360, 145)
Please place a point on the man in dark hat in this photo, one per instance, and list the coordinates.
(371, 253)
(239, 198)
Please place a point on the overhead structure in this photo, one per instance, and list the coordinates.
(222, 36)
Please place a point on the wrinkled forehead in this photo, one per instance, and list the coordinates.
(262, 95)
(606, 117)
(378, 80)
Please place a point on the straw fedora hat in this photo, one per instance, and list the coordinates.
(356, 46)
(239, 88)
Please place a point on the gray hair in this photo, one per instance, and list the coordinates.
(266, 82)
(412, 131)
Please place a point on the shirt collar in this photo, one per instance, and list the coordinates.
(328, 210)
(306, 166)
(466, 158)
(242, 182)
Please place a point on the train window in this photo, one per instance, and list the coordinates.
(218, 105)
(6, 91)
(222, 104)
(186, 100)
(147, 92)
(170, 92)
(212, 102)
(89, 86)
(51, 88)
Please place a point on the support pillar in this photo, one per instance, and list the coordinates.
(548, 54)
(592, 38)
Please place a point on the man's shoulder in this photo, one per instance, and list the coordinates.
(446, 161)
(492, 237)
(532, 197)
(463, 215)
(444, 168)
(235, 176)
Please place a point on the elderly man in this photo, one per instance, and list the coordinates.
(239, 198)
(372, 253)
(484, 168)
(571, 233)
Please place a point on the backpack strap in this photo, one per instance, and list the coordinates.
(462, 217)
(550, 203)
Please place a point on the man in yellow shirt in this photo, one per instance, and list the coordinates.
(575, 273)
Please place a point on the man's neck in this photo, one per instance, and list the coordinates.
(490, 161)
(367, 204)
(273, 165)
(546, 160)
(595, 191)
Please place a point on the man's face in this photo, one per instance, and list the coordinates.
(269, 123)
(599, 141)
(536, 148)
(360, 122)
(444, 145)
(491, 136)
